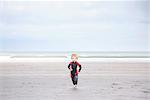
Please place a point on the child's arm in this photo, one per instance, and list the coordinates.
(69, 67)
(79, 66)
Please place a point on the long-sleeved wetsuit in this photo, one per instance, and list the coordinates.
(74, 72)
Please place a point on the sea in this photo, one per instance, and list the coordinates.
(81, 54)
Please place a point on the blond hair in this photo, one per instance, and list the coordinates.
(74, 55)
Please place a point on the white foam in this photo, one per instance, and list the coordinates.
(34, 59)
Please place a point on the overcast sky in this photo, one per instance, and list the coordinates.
(74, 26)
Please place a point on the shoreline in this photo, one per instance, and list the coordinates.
(60, 59)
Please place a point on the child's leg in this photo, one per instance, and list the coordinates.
(72, 77)
(76, 80)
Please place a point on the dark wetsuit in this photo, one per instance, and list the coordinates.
(74, 72)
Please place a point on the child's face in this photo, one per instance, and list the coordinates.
(74, 58)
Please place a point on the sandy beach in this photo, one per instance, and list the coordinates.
(109, 38)
(101, 80)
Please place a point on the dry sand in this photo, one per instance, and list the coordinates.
(97, 81)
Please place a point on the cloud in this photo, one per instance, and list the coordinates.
(104, 24)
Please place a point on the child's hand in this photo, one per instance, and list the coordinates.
(70, 69)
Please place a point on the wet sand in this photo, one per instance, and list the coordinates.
(97, 81)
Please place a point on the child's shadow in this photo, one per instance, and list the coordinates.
(74, 89)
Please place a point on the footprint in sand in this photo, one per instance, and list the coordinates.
(146, 91)
(29, 83)
(120, 87)
(115, 84)
(23, 82)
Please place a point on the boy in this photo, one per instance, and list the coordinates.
(73, 69)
